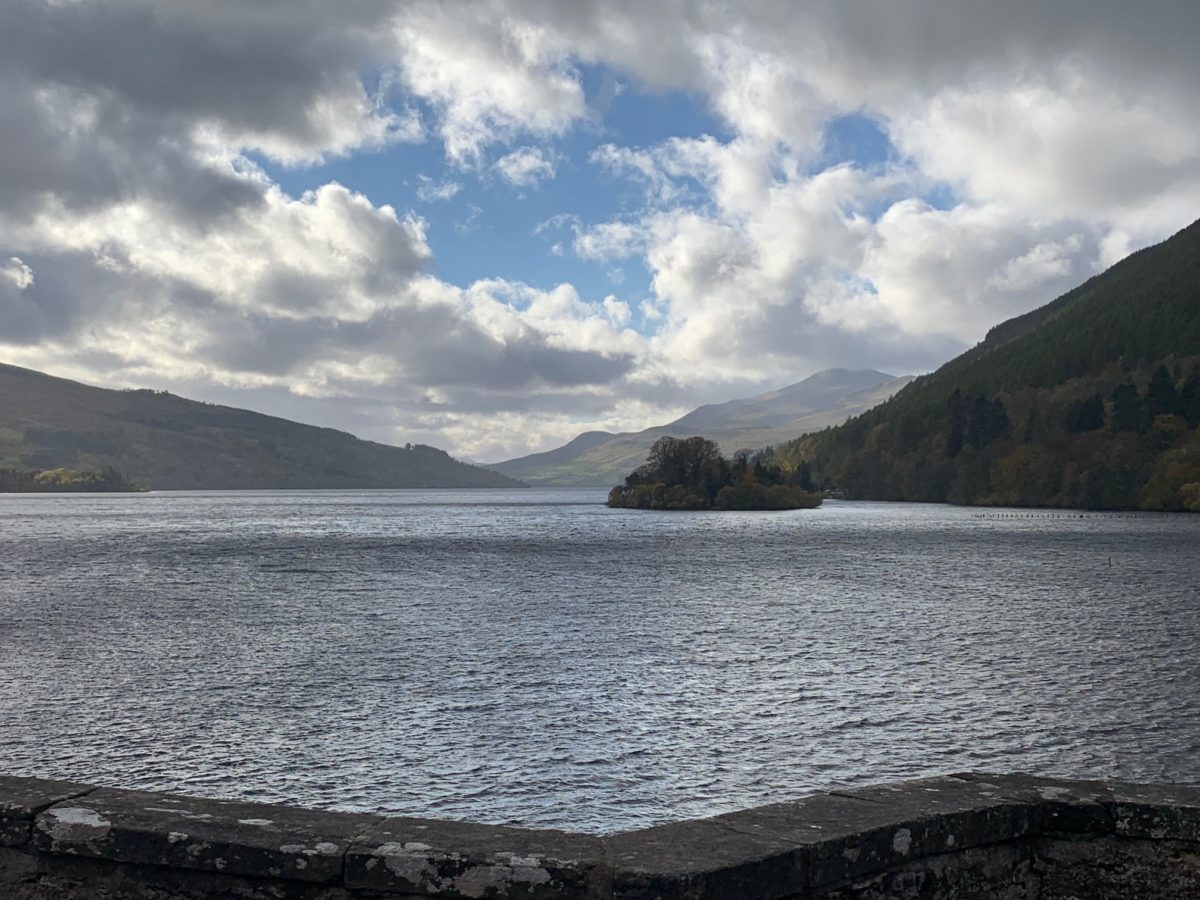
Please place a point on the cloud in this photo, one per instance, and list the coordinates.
(142, 239)
(643, 165)
(526, 167)
(1045, 262)
(490, 76)
(281, 80)
(1063, 146)
(608, 241)
(431, 191)
(616, 310)
(17, 273)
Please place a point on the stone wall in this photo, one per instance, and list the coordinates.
(961, 836)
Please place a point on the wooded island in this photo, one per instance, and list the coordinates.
(691, 473)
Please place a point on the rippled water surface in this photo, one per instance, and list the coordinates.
(532, 657)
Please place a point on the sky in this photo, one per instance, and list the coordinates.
(489, 226)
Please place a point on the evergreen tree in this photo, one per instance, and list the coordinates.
(1033, 424)
(1086, 415)
(1126, 410)
(1161, 397)
(804, 476)
(956, 416)
(1189, 398)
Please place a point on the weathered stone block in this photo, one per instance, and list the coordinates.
(23, 798)
(81, 878)
(1160, 811)
(1062, 806)
(940, 815)
(428, 857)
(857, 833)
(706, 859)
(231, 837)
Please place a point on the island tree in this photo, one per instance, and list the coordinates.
(691, 473)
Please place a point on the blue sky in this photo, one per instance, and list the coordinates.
(493, 229)
(490, 226)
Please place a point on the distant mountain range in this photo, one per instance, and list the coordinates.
(1091, 401)
(166, 442)
(601, 458)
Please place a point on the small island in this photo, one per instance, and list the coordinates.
(66, 481)
(691, 473)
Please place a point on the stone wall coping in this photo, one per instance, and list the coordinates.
(773, 851)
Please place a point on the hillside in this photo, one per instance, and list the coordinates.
(601, 458)
(1090, 401)
(167, 442)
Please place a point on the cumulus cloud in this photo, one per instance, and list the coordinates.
(281, 79)
(143, 242)
(490, 75)
(526, 167)
(1043, 263)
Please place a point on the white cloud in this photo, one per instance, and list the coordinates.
(617, 311)
(431, 191)
(491, 76)
(328, 253)
(1065, 135)
(764, 96)
(608, 241)
(17, 273)
(1062, 145)
(526, 167)
(644, 165)
(1043, 263)
(957, 272)
(650, 310)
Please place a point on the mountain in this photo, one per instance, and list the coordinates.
(1090, 401)
(601, 458)
(169, 443)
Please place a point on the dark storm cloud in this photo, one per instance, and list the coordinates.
(253, 65)
(103, 103)
(930, 40)
(927, 42)
(430, 346)
(67, 295)
(119, 156)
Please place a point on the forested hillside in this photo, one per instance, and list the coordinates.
(166, 442)
(1090, 401)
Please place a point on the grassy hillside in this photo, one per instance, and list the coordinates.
(167, 442)
(1090, 401)
(599, 458)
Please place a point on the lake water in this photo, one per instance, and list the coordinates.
(533, 657)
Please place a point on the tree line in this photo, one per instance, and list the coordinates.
(50, 481)
(1124, 438)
